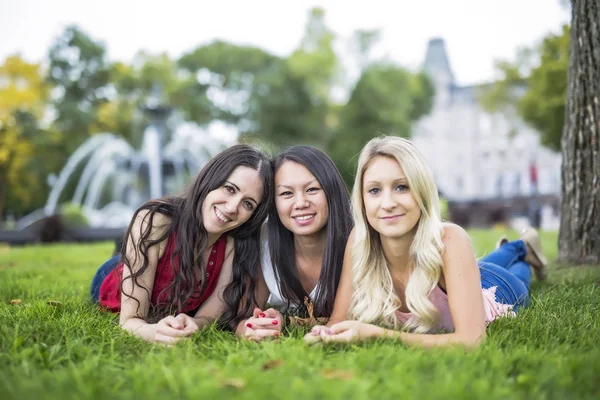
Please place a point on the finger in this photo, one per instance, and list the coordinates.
(316, 330)
(172, 322)
(309, 338)
(272, 313)
(188, 323)
(257, 313)
(340, 327)
(166, 330)
(265, 323)
(343, 337)
(164, 339)
(263, 333)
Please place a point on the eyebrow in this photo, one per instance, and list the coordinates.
(238, 189)
(399, 180)
(305, 184)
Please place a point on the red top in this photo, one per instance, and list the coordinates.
(110, 290)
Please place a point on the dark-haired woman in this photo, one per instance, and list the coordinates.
(307, 232)
(189, 260)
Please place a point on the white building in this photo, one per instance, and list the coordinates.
(476, 155)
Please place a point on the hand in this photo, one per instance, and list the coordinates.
(263, 324)
(349, 332)
(314, 336)
(170, 330)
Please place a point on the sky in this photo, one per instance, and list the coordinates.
(476, 32)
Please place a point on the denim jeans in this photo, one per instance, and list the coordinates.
(506, 269)
(102, 272)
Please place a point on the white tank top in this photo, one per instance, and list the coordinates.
(276, 299)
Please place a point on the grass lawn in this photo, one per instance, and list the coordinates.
(55, 344)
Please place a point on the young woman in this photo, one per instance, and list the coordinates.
(191, 259)
(307, 232)
(406, 269)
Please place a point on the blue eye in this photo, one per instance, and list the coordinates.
(374, 191)
(402, 188)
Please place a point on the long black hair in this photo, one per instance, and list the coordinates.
(339, 224)
(186, 221)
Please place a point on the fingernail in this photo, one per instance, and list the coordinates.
(275, 322)
(314, 332)
(249, 325)
(277, 333)
(327, 331)
(262, 315)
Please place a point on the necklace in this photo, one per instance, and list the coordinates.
(395, 275)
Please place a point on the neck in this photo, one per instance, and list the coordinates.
(311, 247)
(397, 251)
(212, 239)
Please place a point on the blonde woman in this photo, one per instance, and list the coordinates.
(410, 276)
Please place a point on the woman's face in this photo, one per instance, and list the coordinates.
(390, 206)
(300, 200)
(232, 204)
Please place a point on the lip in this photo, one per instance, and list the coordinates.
(219, 220)
(305, 222)
(392, 217)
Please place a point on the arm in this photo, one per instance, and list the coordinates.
(131, 317)
(463, 285)
(267, 323)
(343, 296)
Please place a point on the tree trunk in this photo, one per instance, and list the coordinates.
(579, 238)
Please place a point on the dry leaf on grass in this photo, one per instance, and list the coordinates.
(237, 383)
(272, 364)
(15, 302)
(337, 374)
(311, 320)
(54, 302)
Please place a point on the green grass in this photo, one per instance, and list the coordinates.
(70, 350)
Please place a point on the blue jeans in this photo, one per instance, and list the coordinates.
(506, 269)
(102, 272)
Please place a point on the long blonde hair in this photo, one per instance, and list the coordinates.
(374, 299)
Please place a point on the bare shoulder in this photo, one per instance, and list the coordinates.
(160, 223)
(454, 234)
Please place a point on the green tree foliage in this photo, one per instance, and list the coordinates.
(385, 100)
(535, 85)
(25, 149)
(80, 74)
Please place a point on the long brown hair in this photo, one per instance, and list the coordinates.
(185, 214)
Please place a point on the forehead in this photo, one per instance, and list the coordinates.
(248, 181)
(290, 173)
(382, 168)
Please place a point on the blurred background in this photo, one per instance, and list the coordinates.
(104, 105)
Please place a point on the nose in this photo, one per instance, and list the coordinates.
(301, 201)
(232, 205)
(387, 200)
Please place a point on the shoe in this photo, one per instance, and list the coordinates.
(534, 256)
(503, 240)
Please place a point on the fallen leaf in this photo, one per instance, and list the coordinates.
(54, 303)
(237, 383)
(15, 302)
(337, 374)
(272, 364)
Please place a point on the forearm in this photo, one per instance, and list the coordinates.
(141, 328)
(203, 321)
(433, 340)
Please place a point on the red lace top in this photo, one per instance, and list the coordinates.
(110, 290)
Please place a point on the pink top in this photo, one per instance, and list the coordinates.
(493, 309)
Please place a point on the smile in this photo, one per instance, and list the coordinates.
(221, 216)
(304, 217)
(392, 217)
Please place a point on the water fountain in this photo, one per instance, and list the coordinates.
(111, 178)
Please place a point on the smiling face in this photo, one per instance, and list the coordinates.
(390, 207)
(232, 204)
(300, 200)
